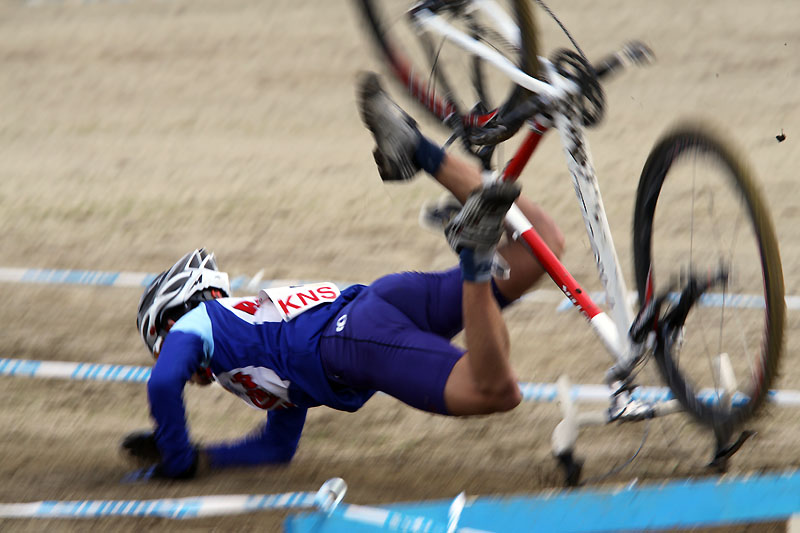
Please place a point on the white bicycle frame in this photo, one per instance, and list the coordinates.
(562, 99)
(561, 95)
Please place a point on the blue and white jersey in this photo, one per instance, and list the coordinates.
(270, 363)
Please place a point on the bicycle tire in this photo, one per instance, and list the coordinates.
(761, 326)
(438, 102)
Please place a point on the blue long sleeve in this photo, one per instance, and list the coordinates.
(179, 359)
(276, 442)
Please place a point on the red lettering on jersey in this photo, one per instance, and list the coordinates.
(285, 304)
(311, 296)
(244, 379)
(327, 292)
(247, 306)
(260, 398)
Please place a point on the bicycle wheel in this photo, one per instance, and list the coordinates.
(446, 80)
(699, 213)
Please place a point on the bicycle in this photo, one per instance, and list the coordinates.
(713, 319)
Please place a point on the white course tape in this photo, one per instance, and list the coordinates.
(532, 392)
(175, 508)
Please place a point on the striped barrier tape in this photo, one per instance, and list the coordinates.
(75, 277)
(548, 393)
(99, 278)
(74, 371)
(174, 508)
(532, 392)
(142, 279)
(207, 506)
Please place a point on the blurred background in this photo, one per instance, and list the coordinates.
(132, 132)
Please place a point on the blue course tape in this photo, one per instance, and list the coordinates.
(676, 504)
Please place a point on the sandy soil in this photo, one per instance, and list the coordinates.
(133, 131)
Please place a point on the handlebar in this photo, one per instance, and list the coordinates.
(500, 130)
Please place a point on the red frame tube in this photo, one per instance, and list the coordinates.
(568, 285)
(524, 152)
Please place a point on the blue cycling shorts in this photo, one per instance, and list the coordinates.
(395, 337)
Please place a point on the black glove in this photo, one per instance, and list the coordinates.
(141, 447)
(189, 473)
(157, 472)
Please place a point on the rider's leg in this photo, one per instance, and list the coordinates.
(482, 381)
(461, 178)
(395, 337)
(402, 151)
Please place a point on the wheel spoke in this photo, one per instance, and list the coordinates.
(464, 79)
(727, 233)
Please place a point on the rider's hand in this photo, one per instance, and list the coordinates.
(140, 446)
(160, 471)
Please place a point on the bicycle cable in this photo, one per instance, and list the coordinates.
(617, 469)
(432, 80)
(563, 28)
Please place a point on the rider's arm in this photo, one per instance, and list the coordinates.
(276, 442)
(180, 357)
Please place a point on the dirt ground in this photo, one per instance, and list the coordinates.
(131, 132)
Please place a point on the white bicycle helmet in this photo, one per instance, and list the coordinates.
(193, 279)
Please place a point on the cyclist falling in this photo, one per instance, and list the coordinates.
(293, 348)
